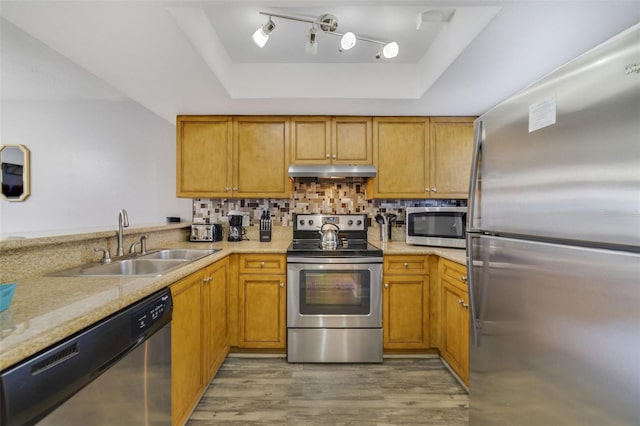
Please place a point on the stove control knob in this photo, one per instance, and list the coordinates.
(359, 222)
(310, 222)
(301, 221)
(350, 222)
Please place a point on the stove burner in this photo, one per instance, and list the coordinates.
(352, 236)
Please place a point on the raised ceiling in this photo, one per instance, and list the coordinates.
(177, 57)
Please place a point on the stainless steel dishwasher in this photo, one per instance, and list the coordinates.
(116, 372)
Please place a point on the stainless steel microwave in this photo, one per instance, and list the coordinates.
(436, 226)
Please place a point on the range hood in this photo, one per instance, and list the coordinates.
(331, 171)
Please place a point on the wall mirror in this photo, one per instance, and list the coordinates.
(15, 172)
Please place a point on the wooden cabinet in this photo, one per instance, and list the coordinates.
(199, 341)
(421, 157)
(401, 156)
(262, 301)
(215, 321)
(187, 381)
(405, 302)
(204, 150)
(331, 140)
(451, 155)
(232, 157)
(261, 157)
(455, 318)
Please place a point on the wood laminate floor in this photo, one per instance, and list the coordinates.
(401, 391)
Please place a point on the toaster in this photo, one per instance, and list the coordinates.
(206, 232)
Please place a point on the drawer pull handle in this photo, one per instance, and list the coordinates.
(386, 285)
(262, 264)
(406, 265)
(281, 285)
(465, 305)
(464, 278)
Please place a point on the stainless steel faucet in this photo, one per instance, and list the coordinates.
(123, 222)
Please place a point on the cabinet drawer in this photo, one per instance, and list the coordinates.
(263, 264)
(454, 271)
(406, 265)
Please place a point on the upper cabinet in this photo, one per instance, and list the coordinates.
(331, 140)
(421, 157)
(232, 157)
(261, 157)
(204, 151)
(451, 155)
(401, 156)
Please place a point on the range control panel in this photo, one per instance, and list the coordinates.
(344, 222)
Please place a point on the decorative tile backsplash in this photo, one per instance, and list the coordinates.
(307, 197)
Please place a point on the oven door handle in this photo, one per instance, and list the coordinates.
(320, 260)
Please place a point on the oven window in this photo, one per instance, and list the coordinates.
(339, 292)
(437, 224)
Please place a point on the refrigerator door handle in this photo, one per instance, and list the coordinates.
(471, 282)
(475, 174)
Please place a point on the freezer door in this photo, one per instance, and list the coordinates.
(562, 158)
(558, 335)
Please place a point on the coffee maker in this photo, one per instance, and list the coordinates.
(235, 228)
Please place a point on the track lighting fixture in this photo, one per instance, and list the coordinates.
(328, 24)
(261, 36)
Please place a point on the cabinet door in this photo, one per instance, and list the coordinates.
(401, 155)
(310, 140)
(406, 312)
(262, 311)
(215, 317)
(451, 152)
(186, 347)
(261, 157)
(455, 322)
(351, 140)
(204, 147)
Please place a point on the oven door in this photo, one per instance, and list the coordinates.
(334, 293)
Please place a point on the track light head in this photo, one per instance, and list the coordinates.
(388, 51)
(347, 41)
(261, 36)
(312, 46)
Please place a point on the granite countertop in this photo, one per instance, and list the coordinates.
(46, 309)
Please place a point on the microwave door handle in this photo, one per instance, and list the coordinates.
(476, 174)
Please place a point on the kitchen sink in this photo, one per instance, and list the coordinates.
(181, 254)
(153, 264)
(145, 267)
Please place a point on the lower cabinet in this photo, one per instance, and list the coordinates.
(199, 341)
(186, 347)
(455, 318)
(215, 320)
(262, 301)
(405, 302)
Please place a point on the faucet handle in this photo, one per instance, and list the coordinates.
(143, 244)
(132, 247)
(106, 256)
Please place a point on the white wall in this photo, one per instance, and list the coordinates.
(89, 157)
(88, 160)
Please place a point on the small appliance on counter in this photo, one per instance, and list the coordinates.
(206, 232)
(237, 221)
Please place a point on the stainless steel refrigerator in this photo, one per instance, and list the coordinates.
(554, 247)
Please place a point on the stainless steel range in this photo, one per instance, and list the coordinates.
(334, 296)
